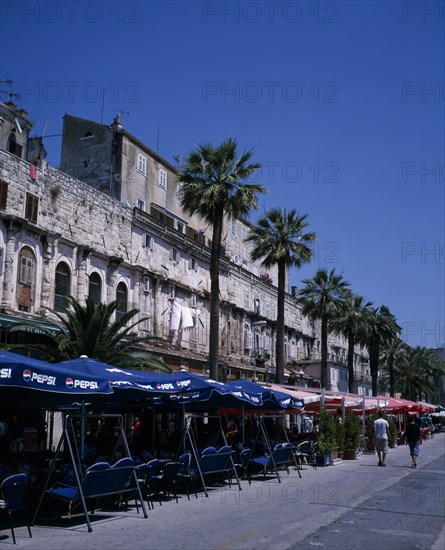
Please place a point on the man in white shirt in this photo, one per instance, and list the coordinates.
(381, 438)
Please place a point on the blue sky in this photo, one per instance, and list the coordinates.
(343, 102)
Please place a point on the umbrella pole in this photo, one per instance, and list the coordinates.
(363, 421)
(242, 427)
(82, 432)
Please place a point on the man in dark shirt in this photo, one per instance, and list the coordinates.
(412, 438)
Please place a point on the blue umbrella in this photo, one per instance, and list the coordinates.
(27, 381)
(271, 399)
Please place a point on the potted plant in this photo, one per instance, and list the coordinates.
(340, 436)
(392, 436)
(326, 438)
(369, 432)
(352, 436)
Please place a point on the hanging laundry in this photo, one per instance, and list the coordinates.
(175, 316)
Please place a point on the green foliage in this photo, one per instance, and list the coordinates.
(369, 429)
(279, 238)
(340, 434)
(326, 433)
(213, 185)
(392, 437)
(352, 431)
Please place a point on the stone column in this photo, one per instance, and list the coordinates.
(82, 282)
(157, 307)
(10, 257)
(113, 269)
(48, 246)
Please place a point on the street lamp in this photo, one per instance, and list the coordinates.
(254, 352)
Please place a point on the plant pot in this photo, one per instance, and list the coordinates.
(349, 454)
(323, 460)
(370, 446)
(334, 453)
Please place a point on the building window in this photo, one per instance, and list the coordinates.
(246, 300)
(147, 241)
(174, 255)
(180, 227)
(193, 300)
(26, 276)
(122, 300)
(257, 306)
(62, 287)
(142, 164)
(3, 194)
(267, 309)
(193, 264)
(146, 283)
(31, 207)
(95, 288)
(233, 227)
(179, 188)
(244, 232)
(162, 178)
(140, 204)
(171, 292)
(13, 146)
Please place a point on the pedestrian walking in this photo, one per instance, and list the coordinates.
(381, 427)
(412, 438)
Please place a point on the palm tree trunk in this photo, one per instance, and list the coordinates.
(214, 295)
(351, 345)
(374, 352)
(279, 359)
(391, 377)
(324, 352)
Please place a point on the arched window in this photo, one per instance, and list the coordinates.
(95, 288)
(62, 287)
(122, 300)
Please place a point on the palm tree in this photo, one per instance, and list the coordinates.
(90, 330)
(212, 187)
(279, 239)
(350, 321)
(410, 381)
(381, 329)
(321, 298)
(392, 357)
(428, 365)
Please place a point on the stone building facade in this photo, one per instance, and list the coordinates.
(109, 225)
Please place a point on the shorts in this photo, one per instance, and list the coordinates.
(414, 448)
(381, 445)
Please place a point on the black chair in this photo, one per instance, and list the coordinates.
(12, 492)
(173, 473)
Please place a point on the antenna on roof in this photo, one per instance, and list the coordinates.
(10, 93)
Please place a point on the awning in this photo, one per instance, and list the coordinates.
(34, 325)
